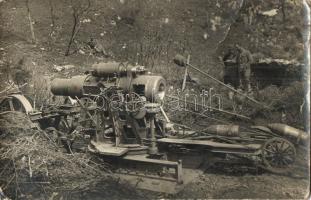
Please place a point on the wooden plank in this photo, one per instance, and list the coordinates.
(210, 144)
(143, 158)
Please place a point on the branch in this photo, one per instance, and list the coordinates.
(76, 26)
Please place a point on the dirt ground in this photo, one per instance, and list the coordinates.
(265, 186)
(239, 182)
(231, 182)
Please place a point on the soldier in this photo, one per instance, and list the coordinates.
(244, 61)
(230, 61)
(231, 55)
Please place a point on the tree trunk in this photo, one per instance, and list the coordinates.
(33, 37)
(73, 34)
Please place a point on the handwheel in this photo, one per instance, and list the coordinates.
(88, 112)
(278, 155)
(134, 102)
(88, 103)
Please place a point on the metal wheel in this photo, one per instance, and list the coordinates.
(92, 117)
(16, 102)
(134, 102)
(88, 103)
(278, 155)
(88, 112)
(115, 102)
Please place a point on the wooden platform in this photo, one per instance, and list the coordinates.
(160, 184)
(107, 149)
(177, 166)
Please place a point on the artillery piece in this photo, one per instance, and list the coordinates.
(114, 96)
(115, 104)
(116, 108)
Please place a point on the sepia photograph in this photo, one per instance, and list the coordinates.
(154, 99)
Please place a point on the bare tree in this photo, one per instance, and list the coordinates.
(283, 7)
(79, 9)
(52, 14)
(53, 31)
(33, 37)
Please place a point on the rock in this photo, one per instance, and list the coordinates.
(113, 23)
(62, 68)
(81, 52)
(68, 66)
(215, 22)
(58, 68)
(270, 13)
(86, 21)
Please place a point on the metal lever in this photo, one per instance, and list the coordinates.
(181, 61)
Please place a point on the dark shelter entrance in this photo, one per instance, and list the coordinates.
(266, 72)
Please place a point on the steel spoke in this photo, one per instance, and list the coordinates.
(282, 144)
(269, 151)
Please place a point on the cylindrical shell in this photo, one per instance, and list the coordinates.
(289, 131)
(224, 130)
(151, 86)
(109, 69)
(68, 87)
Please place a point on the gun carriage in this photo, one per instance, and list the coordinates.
(117, 108)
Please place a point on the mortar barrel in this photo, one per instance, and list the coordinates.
(109, 69)
(68, 87)
(224, 130)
